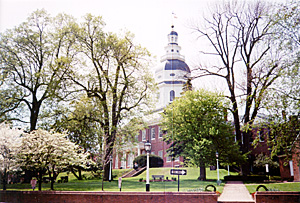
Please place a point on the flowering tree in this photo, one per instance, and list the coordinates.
(49, 152)
(8, 139)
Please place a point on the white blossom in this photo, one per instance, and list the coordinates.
(40, 149)
(9, 140)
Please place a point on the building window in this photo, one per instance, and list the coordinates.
(153, 153)
(176, 159)
(172, 95)
(143, 135)
(130, 160)
(152, 131)
(172, 74)
(137, 138)
(169, 158)
(261, 136)
(160, 153)
(123, 162)
(160, 132)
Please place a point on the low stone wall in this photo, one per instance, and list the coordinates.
(277, 197)
(106, 197)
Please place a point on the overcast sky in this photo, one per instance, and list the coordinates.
(149, 20)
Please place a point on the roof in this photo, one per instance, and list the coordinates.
(176, 64)
(173, 33)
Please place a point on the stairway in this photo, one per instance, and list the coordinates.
(134, 172)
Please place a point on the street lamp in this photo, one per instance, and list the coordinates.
(217, 156)
(148, 149)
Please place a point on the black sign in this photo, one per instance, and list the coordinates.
(178, 172)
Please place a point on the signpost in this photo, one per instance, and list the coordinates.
(178, 172)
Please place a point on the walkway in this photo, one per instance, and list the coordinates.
(235, 191)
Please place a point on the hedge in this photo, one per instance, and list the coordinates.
(155, 161)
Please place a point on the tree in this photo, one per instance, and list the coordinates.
(197, 127)
(81, 123)
(116, 75)
(284, 101)
(239, 34)
(9, 138)
(50, 152)
(34, 58)
(286, 91)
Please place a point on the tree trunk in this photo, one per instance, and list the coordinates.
(107, 170)
(34, 113)
(40, 179)
(52, 183)
(246, 166)
(106, 163)
(4, 179)
(79, 176)
(202, 172)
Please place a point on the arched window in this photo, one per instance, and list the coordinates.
(172, 95)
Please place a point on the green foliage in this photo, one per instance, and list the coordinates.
(284, 137)
(261, 160)
(285, 93)
(116, 75)
(35, 59)
(154, 161)
(197, 128)
(81, 123)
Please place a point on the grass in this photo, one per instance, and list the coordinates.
(275, 186)
(188, 182)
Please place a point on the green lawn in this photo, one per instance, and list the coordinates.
(275, 186)
(188, 182)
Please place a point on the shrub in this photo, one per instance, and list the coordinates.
(253, 178)
(155, 161)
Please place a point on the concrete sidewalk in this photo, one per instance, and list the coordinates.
(235, 191)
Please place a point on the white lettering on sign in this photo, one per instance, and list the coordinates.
(178, 172)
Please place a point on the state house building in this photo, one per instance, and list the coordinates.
(170, 75)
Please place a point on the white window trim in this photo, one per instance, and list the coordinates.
(168, 159)
(161, 153)
(160, 132)
(143, 135)
(152, 132)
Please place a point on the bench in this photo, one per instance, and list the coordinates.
(161, 177)
(63, 179)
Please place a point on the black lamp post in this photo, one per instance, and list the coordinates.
(148, 149)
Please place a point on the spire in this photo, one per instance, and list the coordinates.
(173, 37)
(172, 49)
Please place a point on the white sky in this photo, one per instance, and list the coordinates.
(149, 20)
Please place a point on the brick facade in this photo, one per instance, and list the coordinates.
(277, 197)
(106, 197)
